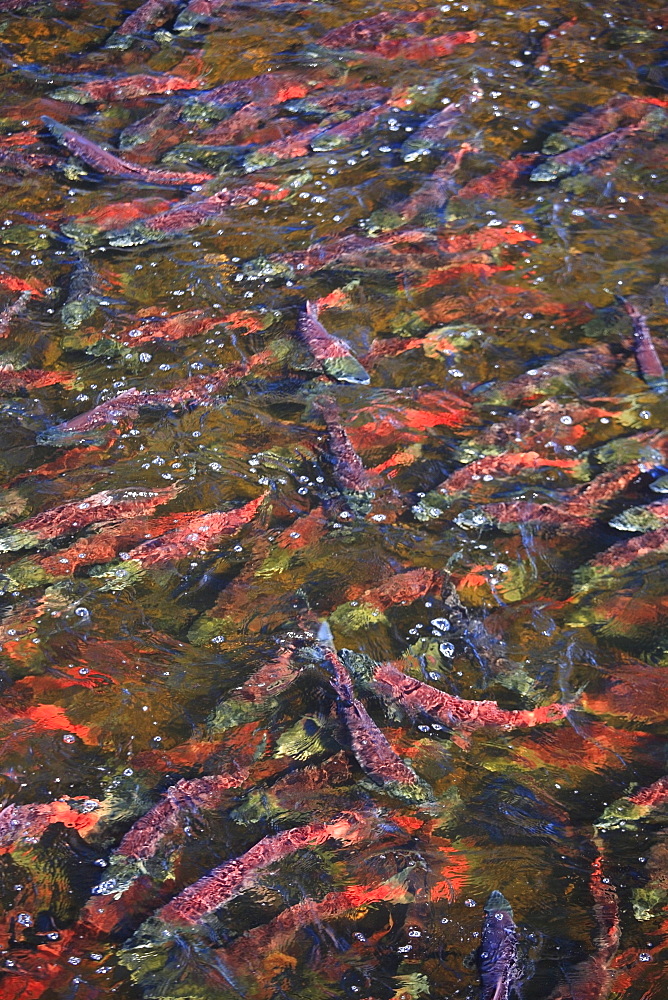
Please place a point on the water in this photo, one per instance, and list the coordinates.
(234, 541)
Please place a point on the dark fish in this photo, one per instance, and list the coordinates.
(10, 312)
(108, 163)
(82, 300)
(248, 950)
(433, 193)
(649, 362)
(334, 355)
(339, 135)
(432, 132)
(577, 158)
(369, 32)
(500, 181)
(579, 507)
(122, 409)
(9, 5)
(546, 42)
(150, 14)
(580, 368)
(497, 954)
(348, 467)
(619, 111)
(231, 878)
(161, 128)
(370, 747)
(424, 49)
(186, 796)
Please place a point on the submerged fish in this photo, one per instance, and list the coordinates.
(424, 49)
(150, 14)
(578, 157)
(125, 88)
(367, 33)
(333, 353)
(186, 216)
(232, 877)
(74, 516)
(24, 824)
(417, 698)
(497, 954)
(21, 380)
(187, 796)
(121, 410)
(108, 163)
(649, 362)
(619, 111)
(10, 312)
(348, 467)
(370, 747)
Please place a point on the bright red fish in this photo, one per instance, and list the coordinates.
(188, 215)
(14, 380)
(74, 516)
(418, 698)
(203, 533)
(125, 88)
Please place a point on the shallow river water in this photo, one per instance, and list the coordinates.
(333, 528)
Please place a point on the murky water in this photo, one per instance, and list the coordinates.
(334, 528)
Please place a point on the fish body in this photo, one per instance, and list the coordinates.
(188, 215)
(497, 954)
(424, 49)
(370, 747)
(10, 312)
(13, 380)
(417, 698)
(334, 355)
(122, 409)
(616, 113)
(348, 467)
(231, 878)
(577, 158)
(82, 300)
(647, 359)
(366, 34)
(150, 14)
(124, 88)
(202, 533)
(23, 824)
(339, 135)
(499, 183)
(108, 163)
(186, 796)
(76, 515)
(547, 41)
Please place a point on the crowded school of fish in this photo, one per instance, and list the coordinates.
(333, 589)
